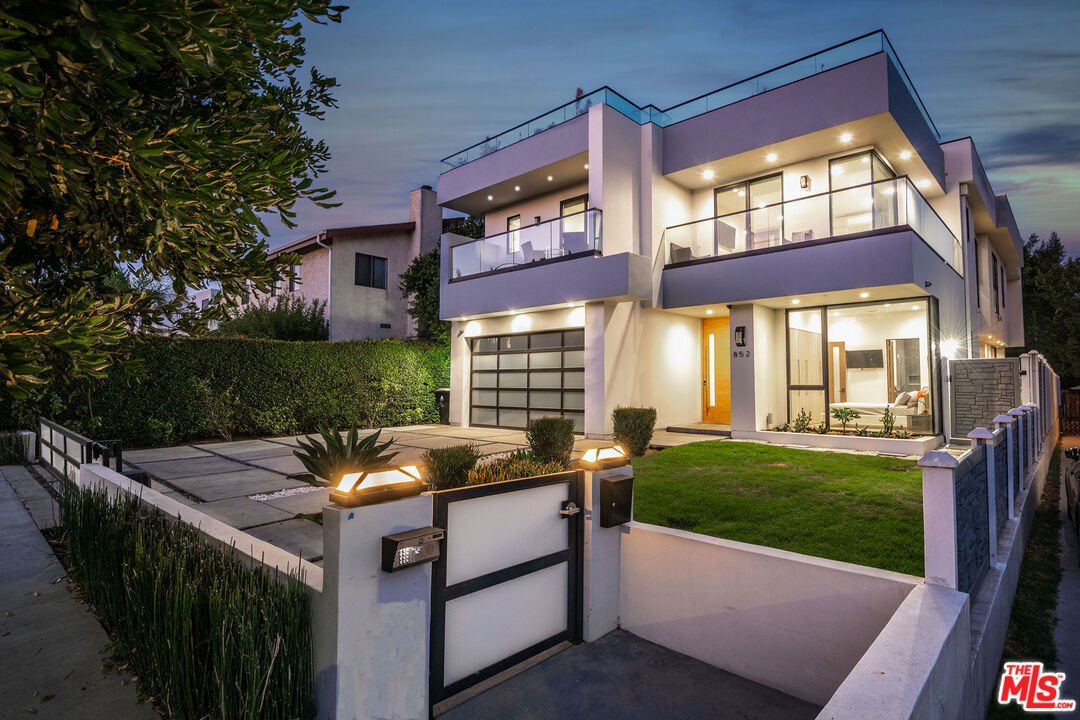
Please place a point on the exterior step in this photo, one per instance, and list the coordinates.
(698, 430)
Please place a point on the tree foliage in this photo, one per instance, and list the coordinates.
(285, 317)
(154, 137)
(471, 226)
(1052, 305)
(420, 285)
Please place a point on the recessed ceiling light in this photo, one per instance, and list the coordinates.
(864, 294)
(905, 154)
(490, 198)
(708, 174)
(795, 301)
(586, 166)
(845, 137)
(771, 157)
(517, 188)
(550, 178)
(924, 183)
(708, 312)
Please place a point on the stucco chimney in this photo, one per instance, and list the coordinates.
(424, 210)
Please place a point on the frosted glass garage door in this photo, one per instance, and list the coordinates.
(517, 378)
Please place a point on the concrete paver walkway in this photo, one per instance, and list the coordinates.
(623, 677)
(1067, 631)
(51, 645)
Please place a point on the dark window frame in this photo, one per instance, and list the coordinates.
(994, 265)
(372, 279)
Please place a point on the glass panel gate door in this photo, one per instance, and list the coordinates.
(508, 585)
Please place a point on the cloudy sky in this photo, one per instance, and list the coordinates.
(424, 79)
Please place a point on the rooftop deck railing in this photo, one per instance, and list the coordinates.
(819, 62)
(568, 236)
(863, 208)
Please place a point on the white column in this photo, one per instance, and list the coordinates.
(373, 633)
(595, 395)
(939, 518)
(602, 569)
(1006, 423)
(982, 436)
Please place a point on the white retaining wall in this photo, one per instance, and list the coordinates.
(795, 623)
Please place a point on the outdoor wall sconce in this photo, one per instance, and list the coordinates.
(604, 458)
(740, 336)
(804, 182)
(369, 488)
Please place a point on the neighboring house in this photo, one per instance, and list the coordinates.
(355, 271)
(800, 241)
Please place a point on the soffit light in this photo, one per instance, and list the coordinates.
(845, 137)
(490, 198)
(771, 157)
(864, 294)
(795, 301)
(368, 488)
(550, 178)
(708, 174)
(905, 154)
(708, 312)
(604, 458)
(517, 188)
(924, 183)
(586, 166)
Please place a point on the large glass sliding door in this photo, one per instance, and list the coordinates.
(806, 365)
(749, 214)
(858, 206)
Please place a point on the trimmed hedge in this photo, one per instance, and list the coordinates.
(216, 387)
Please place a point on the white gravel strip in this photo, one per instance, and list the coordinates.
(287, 492)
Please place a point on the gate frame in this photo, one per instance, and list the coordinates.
(441, 594)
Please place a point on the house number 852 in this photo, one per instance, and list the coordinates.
(740, 353)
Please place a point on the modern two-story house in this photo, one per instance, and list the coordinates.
(799, 241)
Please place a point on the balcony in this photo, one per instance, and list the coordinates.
(570, 236)
(855, 211)
(819, 62)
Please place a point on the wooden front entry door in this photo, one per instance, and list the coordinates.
(715, 371)
(837, 373)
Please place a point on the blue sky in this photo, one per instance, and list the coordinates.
(421, 80)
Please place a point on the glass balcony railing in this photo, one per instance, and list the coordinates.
(874, 206)
(567, 236)
(833, 57)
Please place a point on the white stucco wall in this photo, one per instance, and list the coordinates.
(791, 622)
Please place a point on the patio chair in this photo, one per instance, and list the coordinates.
(528, 254)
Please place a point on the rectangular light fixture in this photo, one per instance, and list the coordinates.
(369, 488)
(604, 458)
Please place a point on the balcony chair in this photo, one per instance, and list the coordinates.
(680, 253)
(574, 242)
(529, 255)
(802, 236)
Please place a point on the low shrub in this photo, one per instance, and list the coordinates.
(206, 635)
(12, 450)
(200, 388)
(518, 465)
(551, 439)
(448, 467)
(634, 428)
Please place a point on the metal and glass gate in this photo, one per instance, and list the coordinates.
(508, 583)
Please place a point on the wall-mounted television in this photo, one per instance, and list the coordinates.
(865, 359)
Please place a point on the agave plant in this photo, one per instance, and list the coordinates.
(334, 456)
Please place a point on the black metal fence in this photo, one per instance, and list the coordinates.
(63, 450)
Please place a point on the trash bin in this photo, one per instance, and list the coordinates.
(442, 399)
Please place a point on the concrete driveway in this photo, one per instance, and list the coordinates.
(249, 485)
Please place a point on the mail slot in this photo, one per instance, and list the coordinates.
(411, 547)
(616, 501)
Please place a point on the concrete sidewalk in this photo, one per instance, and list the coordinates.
(1067, 631)
(52, 646)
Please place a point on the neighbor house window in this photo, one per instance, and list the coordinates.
(275, 289)
(371, 271)
(294, 282)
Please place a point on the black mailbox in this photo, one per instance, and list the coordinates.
(616, 501)
(411, 547)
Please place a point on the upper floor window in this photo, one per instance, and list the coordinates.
(513, 228)
(857, 205)
(997, 287)
(1002, 270)
(572, 212)
(751, 207)
(371, 271)
(294, 282)
(275, 289)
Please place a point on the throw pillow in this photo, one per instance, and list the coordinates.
(902, 399)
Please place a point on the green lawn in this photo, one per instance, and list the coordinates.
(856, 508)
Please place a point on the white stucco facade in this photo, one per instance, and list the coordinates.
(886, 255)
